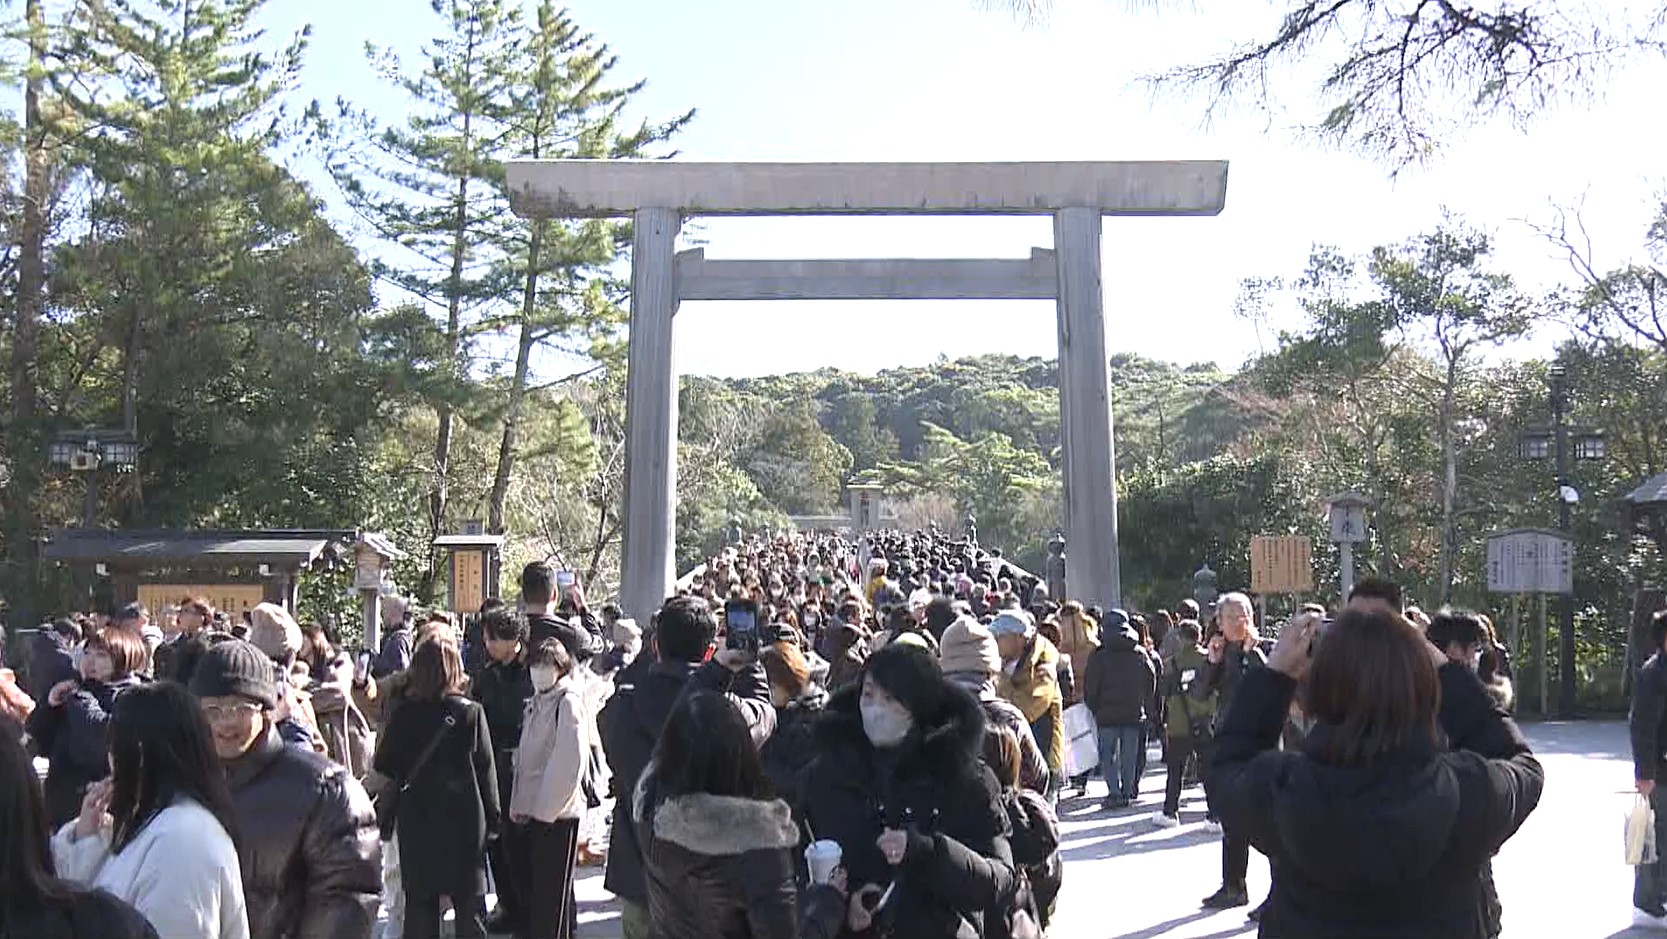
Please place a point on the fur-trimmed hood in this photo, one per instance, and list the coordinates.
(952, 737)
(719, 826)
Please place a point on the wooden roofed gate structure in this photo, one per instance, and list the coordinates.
(234, 569)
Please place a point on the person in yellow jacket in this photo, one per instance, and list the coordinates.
(1079, 636)
(1030, 681)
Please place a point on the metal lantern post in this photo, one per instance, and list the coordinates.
(88, 452)
(1563, 442)
(1346, 515)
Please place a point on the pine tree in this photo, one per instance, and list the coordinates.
(429, 190)
(561, 107)
(235, 307)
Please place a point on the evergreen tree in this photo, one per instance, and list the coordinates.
(561, 107)
(431, 190)
(235, 308)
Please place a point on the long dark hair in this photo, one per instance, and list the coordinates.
(706, 748)
(28, 880)
(1373, 677)
(160, 751)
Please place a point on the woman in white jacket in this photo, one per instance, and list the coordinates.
(548, 797)
(156, 832)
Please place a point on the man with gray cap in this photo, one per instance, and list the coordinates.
(307, 839)
(1030, 680)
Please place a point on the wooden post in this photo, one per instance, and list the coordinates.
(1543, 647)
(1092, 572)
(1513, 626)
(651, 417)
(371, 604)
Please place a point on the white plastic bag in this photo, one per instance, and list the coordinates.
(1082, 740)
(1640, 833)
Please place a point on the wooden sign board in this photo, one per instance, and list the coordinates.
(232, 599)
(1281, 564)
(1530, 560)
(468, 581)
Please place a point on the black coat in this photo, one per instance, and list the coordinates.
(1223, 678)
(503, 689)
(50, 662)
(580, 642)
(451, 807)
(792, 747)
(307, 844)
(395, 654)
(72, 737)
(934, 786)
(630, 727)
(1648, 720)
(1388, 851)
(89, 914)
(1120, 680)
(177, 660)
(719, 867)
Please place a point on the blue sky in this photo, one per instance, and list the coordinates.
(951, 80)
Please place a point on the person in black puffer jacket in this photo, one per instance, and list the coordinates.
(69, 726)
(1118, 689)
(720, 856)
(52, 657)
(1376, 828)
(799, 703)
(34, 902)
(900, 785)
(307, 840)
(631, 724)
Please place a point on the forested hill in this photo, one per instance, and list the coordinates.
(978, 434)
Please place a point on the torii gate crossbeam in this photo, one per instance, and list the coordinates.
(658, 195)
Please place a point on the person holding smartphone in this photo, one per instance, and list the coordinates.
(631, 724)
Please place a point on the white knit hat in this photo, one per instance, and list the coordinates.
(968, 647)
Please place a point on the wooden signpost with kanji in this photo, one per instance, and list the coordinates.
(1281, 564)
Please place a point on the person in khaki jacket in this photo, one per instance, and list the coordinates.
(1030, 680)
(549, 795)
(1079, 636)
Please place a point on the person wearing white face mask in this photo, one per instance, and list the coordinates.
(908, 741)
(549, 797)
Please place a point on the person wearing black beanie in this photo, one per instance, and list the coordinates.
(307, 846)
(908, 741)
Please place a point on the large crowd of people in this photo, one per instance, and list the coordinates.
(816, 736)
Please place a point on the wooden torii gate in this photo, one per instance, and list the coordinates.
(659, 195)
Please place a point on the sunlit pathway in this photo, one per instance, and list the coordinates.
(1561, 876)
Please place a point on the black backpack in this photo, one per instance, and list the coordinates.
(1035, 843)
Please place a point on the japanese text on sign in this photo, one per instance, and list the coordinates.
(1530, 560)
(468, 581)
(233, 599)
(1281, 564)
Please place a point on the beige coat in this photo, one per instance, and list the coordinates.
(550, 763)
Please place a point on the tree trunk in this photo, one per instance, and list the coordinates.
(31, 265)
(1449, 481)
(518, 385)
(23, 442)
(440, 493)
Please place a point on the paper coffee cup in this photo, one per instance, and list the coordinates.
(822, 858)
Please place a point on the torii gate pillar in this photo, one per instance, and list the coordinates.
(657, 195)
